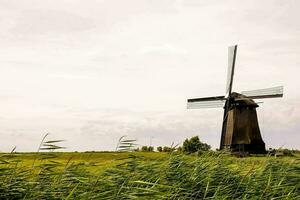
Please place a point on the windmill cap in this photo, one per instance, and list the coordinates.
(243, 100)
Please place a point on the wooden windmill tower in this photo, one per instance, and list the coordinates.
(240, 129)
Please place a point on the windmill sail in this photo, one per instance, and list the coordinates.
(230, 71)
(206, 102)
(265, 93)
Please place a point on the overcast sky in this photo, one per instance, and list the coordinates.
(92, 71)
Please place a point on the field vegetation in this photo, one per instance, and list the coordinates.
(146, 175)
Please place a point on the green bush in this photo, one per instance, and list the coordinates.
(150, 148)
(144, 148)
(168, 149)
(194, 144)
(159, 149)
(147, 148)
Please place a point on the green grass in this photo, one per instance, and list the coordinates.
(92, 161)
(138, 175)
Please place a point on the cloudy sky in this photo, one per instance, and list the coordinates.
(92, 71)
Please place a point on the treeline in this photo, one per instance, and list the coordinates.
(195, 145)
(282, 152)
(159, 149)
(191, 145)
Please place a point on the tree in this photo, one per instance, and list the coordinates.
(194, 144)
(150, 149)
(159, 149)
(168, 149)
(147, 149)
(144, 148)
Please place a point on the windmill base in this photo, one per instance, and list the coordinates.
(248, 148)
(241, 129)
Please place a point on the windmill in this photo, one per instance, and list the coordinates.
(240, 129)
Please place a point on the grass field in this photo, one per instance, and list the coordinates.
(141, 175)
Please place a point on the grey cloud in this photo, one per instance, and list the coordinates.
(165, 127)
(92, 71)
